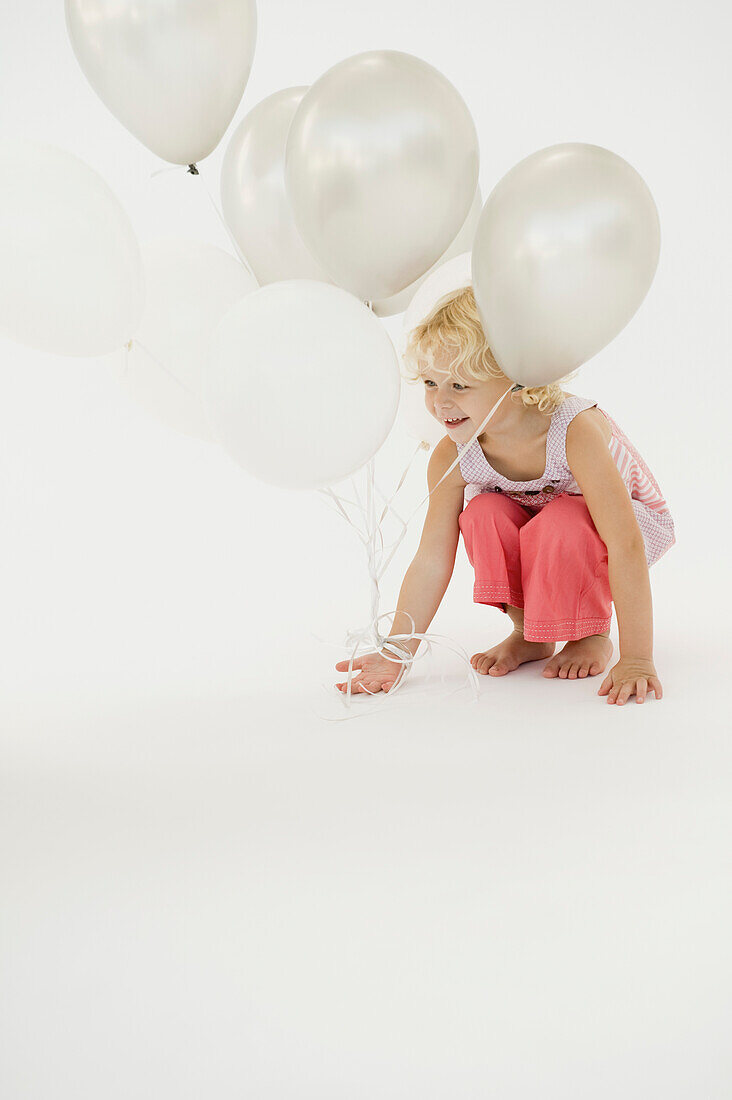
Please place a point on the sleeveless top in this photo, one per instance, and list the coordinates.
(651, 511)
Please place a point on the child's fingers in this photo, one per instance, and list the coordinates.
(342, 666)
(655, 683)
(358, 687)
(641, 690)
(626, 690)
(355, 685)
(613, 693)
(605, 686)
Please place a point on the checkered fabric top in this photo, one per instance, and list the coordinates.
(651, 511)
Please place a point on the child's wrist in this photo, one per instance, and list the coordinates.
(409, 648)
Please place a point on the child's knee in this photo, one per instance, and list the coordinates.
(565, 520)
(492, 511)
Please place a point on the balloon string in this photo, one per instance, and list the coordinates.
(461, 449)
(391, 652)
(159, 363)
(168, 168)
(229, 234)
(370, 636)
(194, 170)
(379, 556)
(388, 502)
(363, 710)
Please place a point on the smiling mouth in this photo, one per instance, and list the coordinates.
(455, 423)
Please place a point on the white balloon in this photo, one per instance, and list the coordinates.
(253, 195)
(171, 71)
(190, 286)
(387, 307)
(71, 272)
(303, 384)
(381, 169)
(565, 252)
(443, 283)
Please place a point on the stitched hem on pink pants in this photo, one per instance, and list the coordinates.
(497, 593)
(564, 630)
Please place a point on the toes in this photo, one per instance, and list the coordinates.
(595, 668)
(551, 669)
(583, 672)
(573, 670)
(497, 669)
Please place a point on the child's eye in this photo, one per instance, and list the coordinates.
(458, 386)
(428, 382)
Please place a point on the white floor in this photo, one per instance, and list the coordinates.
(524, 897)
(210, 892)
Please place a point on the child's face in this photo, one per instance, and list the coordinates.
(459, 408)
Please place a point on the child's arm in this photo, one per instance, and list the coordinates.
(608, 502)
(426, 579)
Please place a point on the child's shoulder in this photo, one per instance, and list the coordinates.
(593, 415)
(443, 457)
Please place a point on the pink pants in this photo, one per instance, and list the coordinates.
(551, 563)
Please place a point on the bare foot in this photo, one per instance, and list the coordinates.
(585, 657)
(509, 654)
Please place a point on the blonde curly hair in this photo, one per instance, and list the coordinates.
(456, 326)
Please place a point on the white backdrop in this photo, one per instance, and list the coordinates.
(136, 558)
(214, 890)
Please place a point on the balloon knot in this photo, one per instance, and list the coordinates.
(193, 171)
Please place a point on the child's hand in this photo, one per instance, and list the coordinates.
(376, 672)
(630, 677)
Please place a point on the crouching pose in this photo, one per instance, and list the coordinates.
(560, 516)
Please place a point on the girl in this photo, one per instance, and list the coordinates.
(559, 514)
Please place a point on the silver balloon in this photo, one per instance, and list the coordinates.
(381, 169)
(462, 243)
(565, 252)
(172, 71)
(253, 196)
